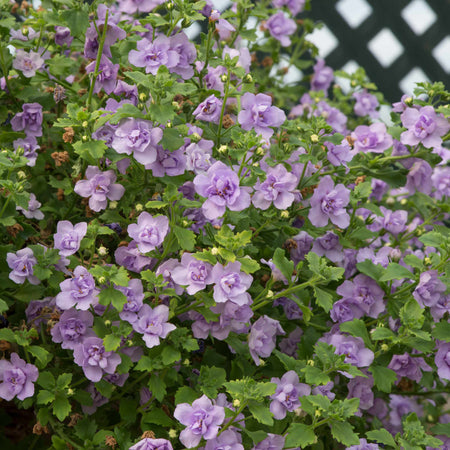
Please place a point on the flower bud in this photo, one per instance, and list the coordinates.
(70, 391)
(353, 83)
(222, 149)
(224, 77)
(84, 138)
(102, 251)
(260, 151)
(269, 294)
(169, 6)
(113, 204)
(107, 323)
(195, 137)
(384, 347)
(214, 251)
(262, 362)
(255, 164)
(139, 207)
(310, 362)
(285, 214)
(427, 260)
(85, 124)
(390, 200)
(408, 101)
(248, 78)
(314, 138)
(21, 175)
(102, 280)
(236, 403)
(403, 201)
(142, 97)
(186, 362)
(185, 223)
(169, 124)
(173, 433)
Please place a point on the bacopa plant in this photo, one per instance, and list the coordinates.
(198, 253)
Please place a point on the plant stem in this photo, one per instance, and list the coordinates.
(224, 104)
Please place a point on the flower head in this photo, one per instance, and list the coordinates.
(68, 237)
(17, 378)
(22, 264)
(149, 232)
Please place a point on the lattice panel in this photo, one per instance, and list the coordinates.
(398, 42)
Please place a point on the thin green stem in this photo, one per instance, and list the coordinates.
(224, 104)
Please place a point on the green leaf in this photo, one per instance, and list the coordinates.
(157, 386)
(285, 266)
(161, 113)
(42, 355)
(111, 342)
(76, 19)
(442, 331)
(362, 190)
(324, 298)
(211, 379)
(90, 151)
(395, 271)
(432, 239)
(383, 377)
(261, 413)
(156, 204)
(170, 355)
(6, 334)
(3, 306)
(185, 394)
(382, 437)
(357, 328)
(158, 417)
(441, 429)
(374, 271)
(61, 406)
(414, 261)
(380, 333)
(313, 375)
(63, 380)
(343, 433)
(300, 435)
(110, 294)
(105, 388)
(185, 238)
(45, 397)
(411, 314)
(46, 380)
(172, 139)
(249, 265)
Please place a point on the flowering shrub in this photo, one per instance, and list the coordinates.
(197, 253)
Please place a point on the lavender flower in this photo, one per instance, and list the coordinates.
(139, 6)
(22, 264)
(73, 327)
(300, 246)
(353, 348)
(287, 393)
(28, 63)
(131, 258)
(441, 182)
(294, 6)
(360, 387)
(322, 76)
(424, 126)
(135, 296)
(153, 55)
(231, 284)
(373, 138)
(221, 187)
(194, 274)
(209, 110)
(137, 137)
(199, 156)
(325, 390)
(202, 420)
(95, 361)
(149, 232)
(400, 406)
(366, 104)
(339, 154)
(17, 378)
(128, 91)
(258, 113)
(97, 400)
(187, 53)
(442, 360)
(419, 178)
(328, 245)
(79, 292)
(394, 221)
(107, 77)
(281, 27)
(277, 188)
(406, 366)
(363, 445)
(150, 443)
(170, 163)
(99, 187)
(289, 345)
(29, 146)
(68, 237)
(228, 440)
(262, 337)
(430, 289)
(33, 211)
(328, 202)
(271, 442)
(62, 36)
(152, 323)
(29, 120)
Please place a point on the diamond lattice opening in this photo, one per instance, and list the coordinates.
(409, 81)
(419, 16)
(442, 53)
(385, 47)
(355, 12)
(324, 40)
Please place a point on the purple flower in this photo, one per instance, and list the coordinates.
(131, 258)
(325, 390)
(152, 323)
(394, 221)
(423, 125)
(225, 29)
(199, 155)
(287, 393)
(328, 245)
(221, 187)
(209, 110)
(153, 55)
(135, 296)
(193, 273)
(406, 366)
(40, 311)
(300, 246)
(29, 120)
(139, 6)
(340, 154)
(29, 146)
(430, 289)
(68, 237)
(257, 113)
(231, 284)
(366, 104)
(277, 188)
(73, 327)
(379, 188)
(328, 202)
(295, 6)
(22, 264)
(170, 163)
(17, 378)
(262, 338)
(360, 387)
(33, 211)
(28, 63)
(166, 269)
(335, 118)
(373, 138)
(419, 178)
(137, 137)
(79, 292)
(289, 345)
(202, 420)
(62, 36)
(441, 182)
(107, 77)
(149, 443)
(126, 90)
(187, 53)
(95, 361)
(442, 360)
(100, 187)
(97, 400)
(322, 76)
(353, 348)
(363, 445)
(401, 406)
(228, 440)
(149, 232)
(345, 310)
(281, 27)
(271, 442)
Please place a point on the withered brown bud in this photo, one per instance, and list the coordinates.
(227, 121)
(68, 135)
(360, 180)
(110, 441)
(39, 429)
(4, 346)
(14, 230)
(74, 418)
(60, 194)
(267, 62)
(60, 157)
(148, 435)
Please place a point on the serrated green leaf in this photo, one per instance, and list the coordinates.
(185, 238)
(45, 397)
(300, 435)
(211, 379)
(111, 342)
(374, 271)
(76, 19)
(432, 239)
(381, 333)
(90, 151)
(172, 139)
(395, 271)
(383, 377)
(42, 355)
(157, 387)
(357, 328)
(249, 265)
(441, 331)
(61, 406)
(343, 433)
(261, 413)
(170, 355)
(63, 380)
(156, 204)
(159, 417)
(285, 265)
(382, 437)
(411, 314)
(186, 394)
(46, 380)
(324, 298)
(441, 429)
(313, 375)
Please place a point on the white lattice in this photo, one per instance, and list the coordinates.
(385, 47)
(355, 12)
(408, 83)
(442, 53)
(324, 40)
(419, 16)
